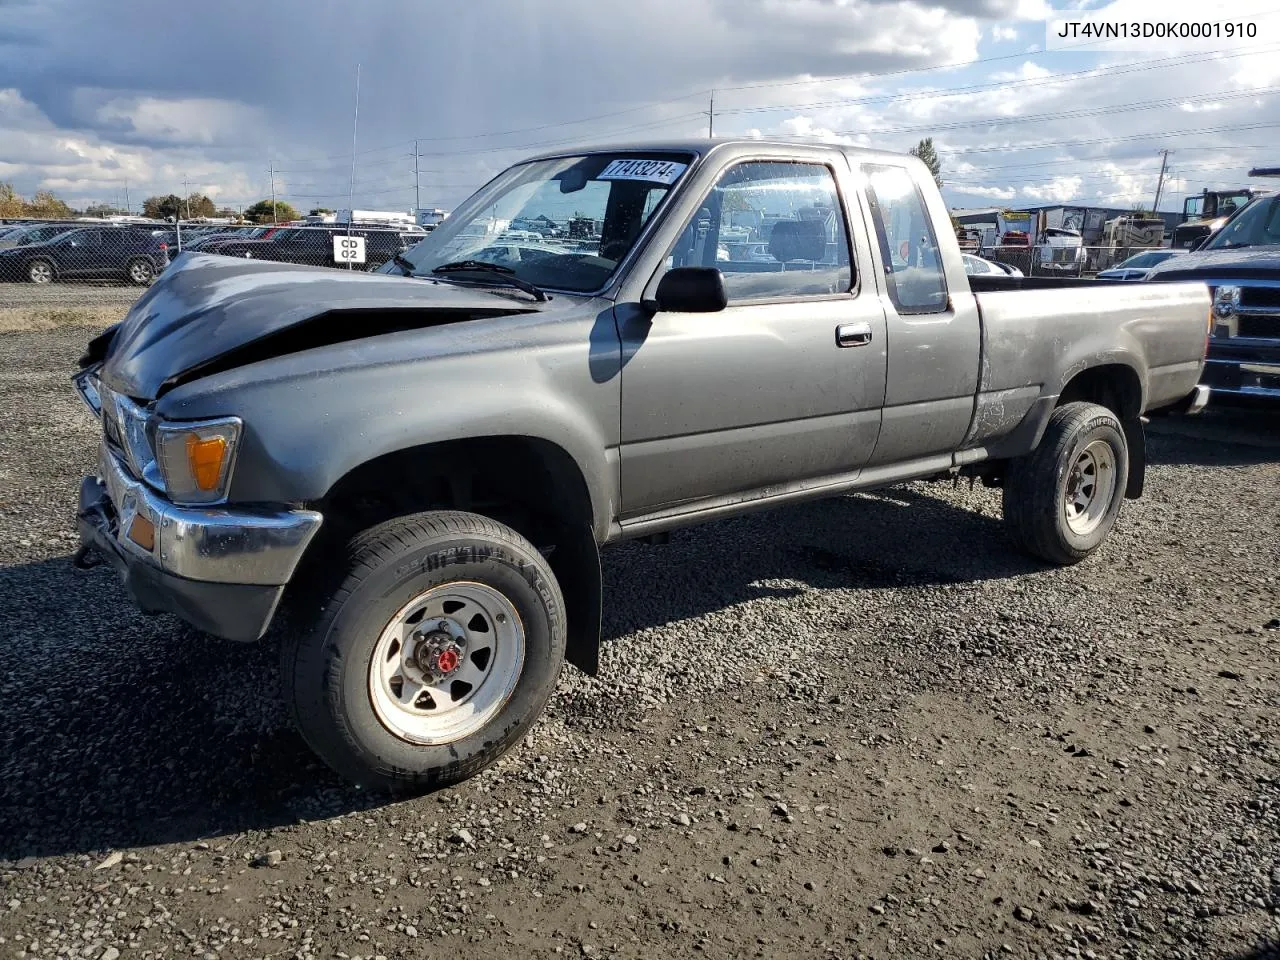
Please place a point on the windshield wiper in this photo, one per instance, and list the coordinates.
(506, 276)
(403, 264)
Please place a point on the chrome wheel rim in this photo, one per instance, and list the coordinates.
(1091, 485)
(40, 272)
(446, 663)
(140, 272)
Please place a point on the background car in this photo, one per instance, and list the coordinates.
(979, 267)
(1136, 267)
(22, 236)
(89, 253)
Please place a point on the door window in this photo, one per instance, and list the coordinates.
(774, 229)
(908, 245)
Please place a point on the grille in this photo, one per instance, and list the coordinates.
(1259, 297)
(1255, 326)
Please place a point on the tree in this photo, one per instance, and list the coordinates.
(46, 204)
(925, 152)
(161, 208)
(102, 210)
(261, 212)
(11, 205)
(319, 212)
(198, 205)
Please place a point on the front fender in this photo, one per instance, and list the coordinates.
(312, 417)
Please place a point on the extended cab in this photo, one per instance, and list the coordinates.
(425, 462)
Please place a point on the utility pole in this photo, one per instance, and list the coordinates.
(351, 191)
(126, 196)
(711, 116)
(1164, 165)
(271, 172)
(417, 199)
(186, 196)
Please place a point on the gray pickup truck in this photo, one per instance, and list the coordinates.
(423, 463)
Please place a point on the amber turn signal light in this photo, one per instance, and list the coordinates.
(143, 532)
(205, 458)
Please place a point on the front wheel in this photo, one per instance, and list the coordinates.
(1062, 499)
(40, 271)
(435, 654)
(141, 271)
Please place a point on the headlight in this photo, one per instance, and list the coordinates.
(196, 458)
(86, 383)
(1225, 301)
(126, 426)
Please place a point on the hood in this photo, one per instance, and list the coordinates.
(1259, 262)
(209, 313)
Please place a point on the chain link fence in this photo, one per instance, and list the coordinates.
(105, 263)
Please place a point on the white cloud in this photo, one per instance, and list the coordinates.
(198, 120)
(993, 193)
(1001, 34)
(1057, 190)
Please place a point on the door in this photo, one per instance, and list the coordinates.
(935, 335)
(783, 385)
(81, 253)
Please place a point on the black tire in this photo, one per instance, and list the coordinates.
(1036, 485)
(140, 271)
(326, 669)
(41, 271)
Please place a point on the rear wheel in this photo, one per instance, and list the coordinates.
(1062, 499)
(141, 271)
(40, 271)
(434, 655)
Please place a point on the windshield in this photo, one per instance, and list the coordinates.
(1143, 260)
(1257, 225)
(564, 223)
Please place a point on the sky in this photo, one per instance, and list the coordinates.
(227, 98)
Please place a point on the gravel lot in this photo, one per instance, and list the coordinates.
(69, 294)
(858, 727)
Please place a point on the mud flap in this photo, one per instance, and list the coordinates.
(576, 564)
(1136, 438)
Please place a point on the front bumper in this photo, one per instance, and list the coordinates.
(1243, 369)
(221, 570)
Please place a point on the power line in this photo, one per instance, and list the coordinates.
(1012, 84)
(1004, 148)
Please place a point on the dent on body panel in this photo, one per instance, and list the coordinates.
(312, 417)
(999, 412)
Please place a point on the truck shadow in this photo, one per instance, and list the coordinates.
(1218, 437)
(123, 730)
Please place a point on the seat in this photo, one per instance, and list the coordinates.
(793, 240)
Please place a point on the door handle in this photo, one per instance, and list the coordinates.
(853, 334)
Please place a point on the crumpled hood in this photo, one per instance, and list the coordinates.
(206, 307)
(1263, 262)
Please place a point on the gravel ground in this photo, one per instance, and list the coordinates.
(862, 727)
(69, 294)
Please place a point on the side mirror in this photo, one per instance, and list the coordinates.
(691, 290)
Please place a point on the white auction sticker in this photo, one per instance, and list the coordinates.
(348, 249)
(657, 171)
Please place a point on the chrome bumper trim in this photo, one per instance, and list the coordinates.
(1200, 399)
(217, 545)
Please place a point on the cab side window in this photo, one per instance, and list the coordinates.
(908, 245)
(773, 229)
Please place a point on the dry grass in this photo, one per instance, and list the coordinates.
(34, 319)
